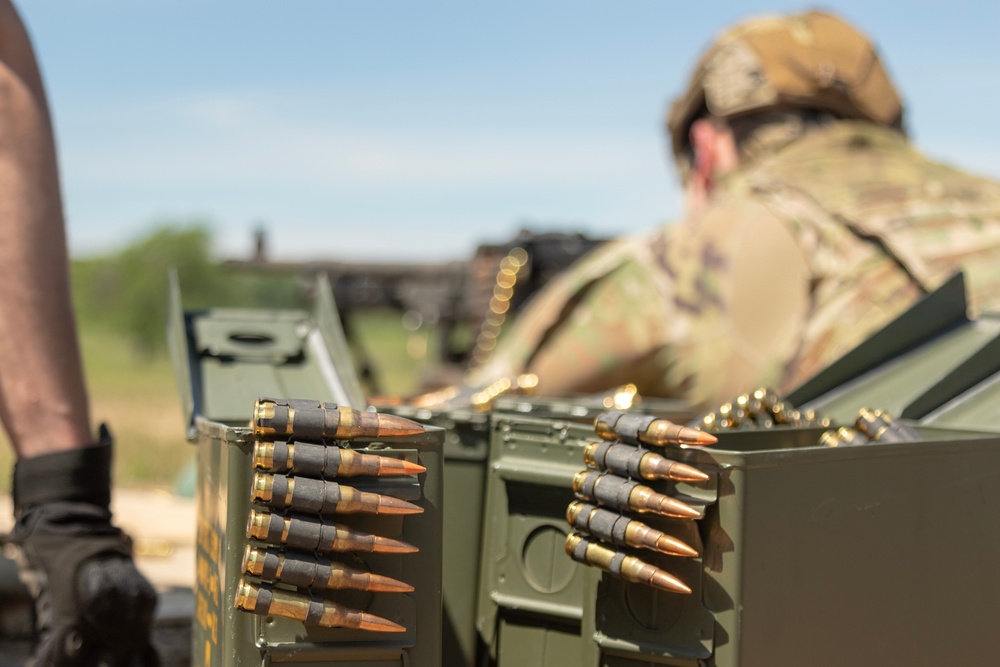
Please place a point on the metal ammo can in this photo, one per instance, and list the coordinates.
(224, 360)
(807, 555)
(467, 527)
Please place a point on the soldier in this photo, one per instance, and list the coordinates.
(93, 606)
(811, 222)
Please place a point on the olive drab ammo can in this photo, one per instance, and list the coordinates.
(466, 526)
(879, 553)
(791, 550)
(282, 574)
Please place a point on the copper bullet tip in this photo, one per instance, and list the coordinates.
(663, 432)
(681, 472)
(391, 426)
(387, 545)
(390, 505)
(378, 624)
(668, 582)
(696, 437)
(381, 584)
(676, 508)
(404, 467)
(671, 546)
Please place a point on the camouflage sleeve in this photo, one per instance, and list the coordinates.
(703, 310)
(595, 326)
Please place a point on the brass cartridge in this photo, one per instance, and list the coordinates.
(732, 416)
(879, 426)
(636, 429)
(810, 418)
(266, 600)
(780, 411)
(845, 436)
(622, 494)
(766, 397)
(307, 570)
(633, 462)
(315, 535)
(326, 462)
(618, 529)
(709, 422)
(617, 564)
(302, 494)
(285, 418)
(753, 408)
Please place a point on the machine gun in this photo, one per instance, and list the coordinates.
(477, 295)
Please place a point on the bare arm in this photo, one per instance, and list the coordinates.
(43, 400)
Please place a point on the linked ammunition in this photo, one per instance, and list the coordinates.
(810, 418)
(710, 422)
(766, 397)
(794, 418)
(617, 564)
(321, 461)
(310, 571)
(618, 529)
(733, 416)
(622, 494)
(636, 429)
(315, 535)
(754, 409)
(266, 600)
(622, 398)
(760, 408)
(317, 496)
(482, 400)
(780, 412)
(634, 462)
(287, 418)
(842, 437)
(881, 427)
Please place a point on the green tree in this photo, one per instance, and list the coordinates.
(128, 291)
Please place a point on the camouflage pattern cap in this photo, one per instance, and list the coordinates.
(808, 61)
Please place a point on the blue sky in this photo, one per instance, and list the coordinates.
(373, 129)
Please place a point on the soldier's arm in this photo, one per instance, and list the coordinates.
(92, 605)
(704, 310)
(43, 402)
(595, 326)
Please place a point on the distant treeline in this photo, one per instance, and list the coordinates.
(128, 291)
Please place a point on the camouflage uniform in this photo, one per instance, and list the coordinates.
(798, 258)
(826, 231)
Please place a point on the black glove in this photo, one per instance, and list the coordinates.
(93, 607)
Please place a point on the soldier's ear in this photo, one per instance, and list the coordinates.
(704, 140)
